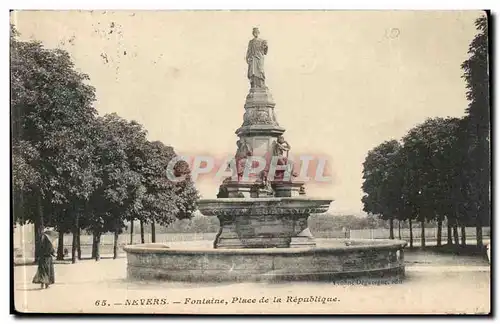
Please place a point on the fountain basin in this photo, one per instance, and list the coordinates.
(334, 260)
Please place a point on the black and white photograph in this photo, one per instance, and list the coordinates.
(260, 162)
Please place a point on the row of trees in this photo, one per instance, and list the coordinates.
(75, 170)
(439, 171)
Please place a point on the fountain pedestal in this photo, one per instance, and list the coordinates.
(260, 209)
(263, 222)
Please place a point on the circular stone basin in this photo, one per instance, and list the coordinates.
(263, 206)
(331, 260)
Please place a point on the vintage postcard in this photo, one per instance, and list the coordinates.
(250, 162)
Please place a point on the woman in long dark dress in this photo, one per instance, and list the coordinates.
(45, 273)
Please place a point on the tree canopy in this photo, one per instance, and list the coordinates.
(440, 170)
(74, 169)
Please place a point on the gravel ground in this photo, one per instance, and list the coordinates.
(434, 284)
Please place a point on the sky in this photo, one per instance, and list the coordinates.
(343, 81)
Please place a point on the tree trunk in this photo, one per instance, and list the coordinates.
(131, 231)
(78, 245)
(463, 236)
(455, 225)
(153, 232)
(93, 245)
(60, 245)
(484, 168)
(448, 224)
(399, 229)
(115, 244)
(391, 228)
(74, 242)
(455, 235)
(479, 233)
(142, 231)
(73, 246)
(97, 246)
(38, 227)
(411, 233)
(422, 233)
(439, 231)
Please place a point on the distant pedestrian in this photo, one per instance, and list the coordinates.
(45, 272)
(346, 232)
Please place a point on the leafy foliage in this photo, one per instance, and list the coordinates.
(382, 182)
(442, 169)
(478, 123)
(74, 169)
(52, 114)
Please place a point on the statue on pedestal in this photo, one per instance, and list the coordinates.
(264, 186)
(243, 152)
(257, 49)
(281, 149)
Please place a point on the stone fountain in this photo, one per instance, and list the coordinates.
(263, 212)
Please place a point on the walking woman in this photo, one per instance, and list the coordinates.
(45, 273)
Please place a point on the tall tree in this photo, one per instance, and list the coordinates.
(120, 186)
(417, 159)
(382, 184)
(166, 200)
(476, 75)
(435, 158)
(52, 114)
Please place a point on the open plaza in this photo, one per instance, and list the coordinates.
(434, 283)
